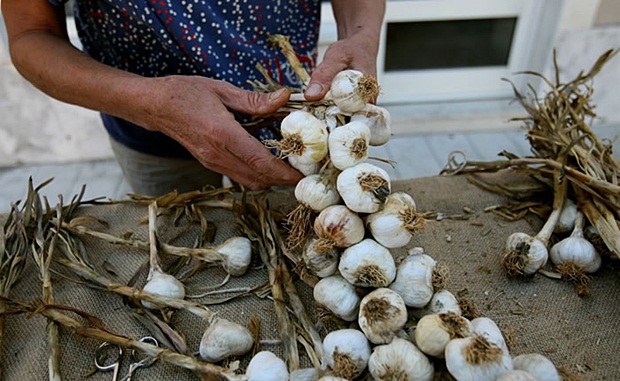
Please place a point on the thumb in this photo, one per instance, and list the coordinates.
(321, 81)
(252, 102)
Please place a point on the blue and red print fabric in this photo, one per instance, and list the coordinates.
(221, 39)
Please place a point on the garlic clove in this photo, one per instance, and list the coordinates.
(367, 264)
(238, 255)
(338, 226)
(164, 285)
(382, 314)
(364, 187)
(399, 360)
(339, 296)
(266, 366)
(378, 120)
(348, 145)
(517, 375)
(433, 332)
(351, 90)
(347, 352)
(394, 225)
(537, 365)
(414, 278)
(224, 338)
(474, 358)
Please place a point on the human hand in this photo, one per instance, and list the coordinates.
(195, 111)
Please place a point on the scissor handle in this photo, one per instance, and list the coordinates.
(114, 365)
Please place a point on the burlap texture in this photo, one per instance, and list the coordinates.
(540, 315)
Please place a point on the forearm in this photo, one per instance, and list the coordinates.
(362, 16)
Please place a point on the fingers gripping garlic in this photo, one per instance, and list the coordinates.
(321, 261)
(224, 338)
(538, 366)
(394, 225)
(303, 136)
(414, 279)
(364, 187)
(434, 332)
(237, 252)
(348, 145)
(367, 264)
(347, 351)
(399, 360)
(474, 358)
(379, 122)
(338, 296)
(338, 226)
(266, 366)
(351, 90)
(382, 314)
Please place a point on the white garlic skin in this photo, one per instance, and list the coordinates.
(378, 120)
(399, 360)
(344, 91)
(444, 301)
(367, 264)
(566, 222)
(348, 145)
(332, 378)
(305, 374)
(382, 314)
(351, 343)
(307, 168)
(537, 255)
(577, 250)
(462, 370)
(433, 332)
(312, 132)
(487, 328)
(537, 365)
(517, 375)
(355, 195)
(238, 253)
(414, 279)
(316, 192)
(266, 366)
(163, 284)
(224, 338)
(388, 225)
(340, 225)
(338, 296)
(321, 264)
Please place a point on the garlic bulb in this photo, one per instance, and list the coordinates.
(305, 167)
(367, 264)
(434, 332)
(303, 136)
(538, 366)
(348, 145)
(486, 327)
(474, 358)
(347, 352)
(566, 222)
(378, 120)
(266, 366)
(237, 252)
(382, 314)
(414, 278)
(224, 338)
(394, 225)
(517, 375)
(524, 254)
(364, 187)
(443, 301)
(321, 261)
(305, 374)
(338, 296)
(164, 285)
(351, 90)
(338, 226)
(399, 360)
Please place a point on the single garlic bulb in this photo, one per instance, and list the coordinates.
(537, 365)
(347, 352)
(378, 120)
(434, 332)
(338, 296)
(524, 254)
(338, 226)
(414, 278)
(566, 222)
(351, 90)
(367, 264)
(394, 225)
(305, 167)
(364, 187)
(474, 358)
(163, 284)
(224, 338)
(443, 301)
(303, 136)
(237, 252)
(487, 328)
(266, 366)
(348, 145)
(517, 375)
(321, 261)
(399, 360)
(382, 314)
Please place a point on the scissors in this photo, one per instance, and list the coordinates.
(102, 352)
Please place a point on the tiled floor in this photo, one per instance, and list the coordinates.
(413, 156)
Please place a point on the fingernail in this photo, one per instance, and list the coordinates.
(276, 94)
(314, 90)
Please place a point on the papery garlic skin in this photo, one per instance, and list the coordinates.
(163, 284)
(347, 352)
(309, 135)
(566, 222)
(348, 145)
(399, 360)
(473, 358)
(382, 314)
(339, 225)
(577, 250)
(238, 255)
(317, 192)
(433, 332)
(517, 375)
(321, 262)
(487, 328)
(538, 366)
(378, 120)
(532, 251)
(307, 168)
(394, 225)
(224, 338)
(351, 90)
(266, 366)
(338, 296)
(414, 279)
(367, 264)
(305, 374)
(364, 187)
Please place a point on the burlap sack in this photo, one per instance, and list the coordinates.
(539, 315)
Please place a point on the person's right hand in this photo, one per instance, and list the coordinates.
(195, 111)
